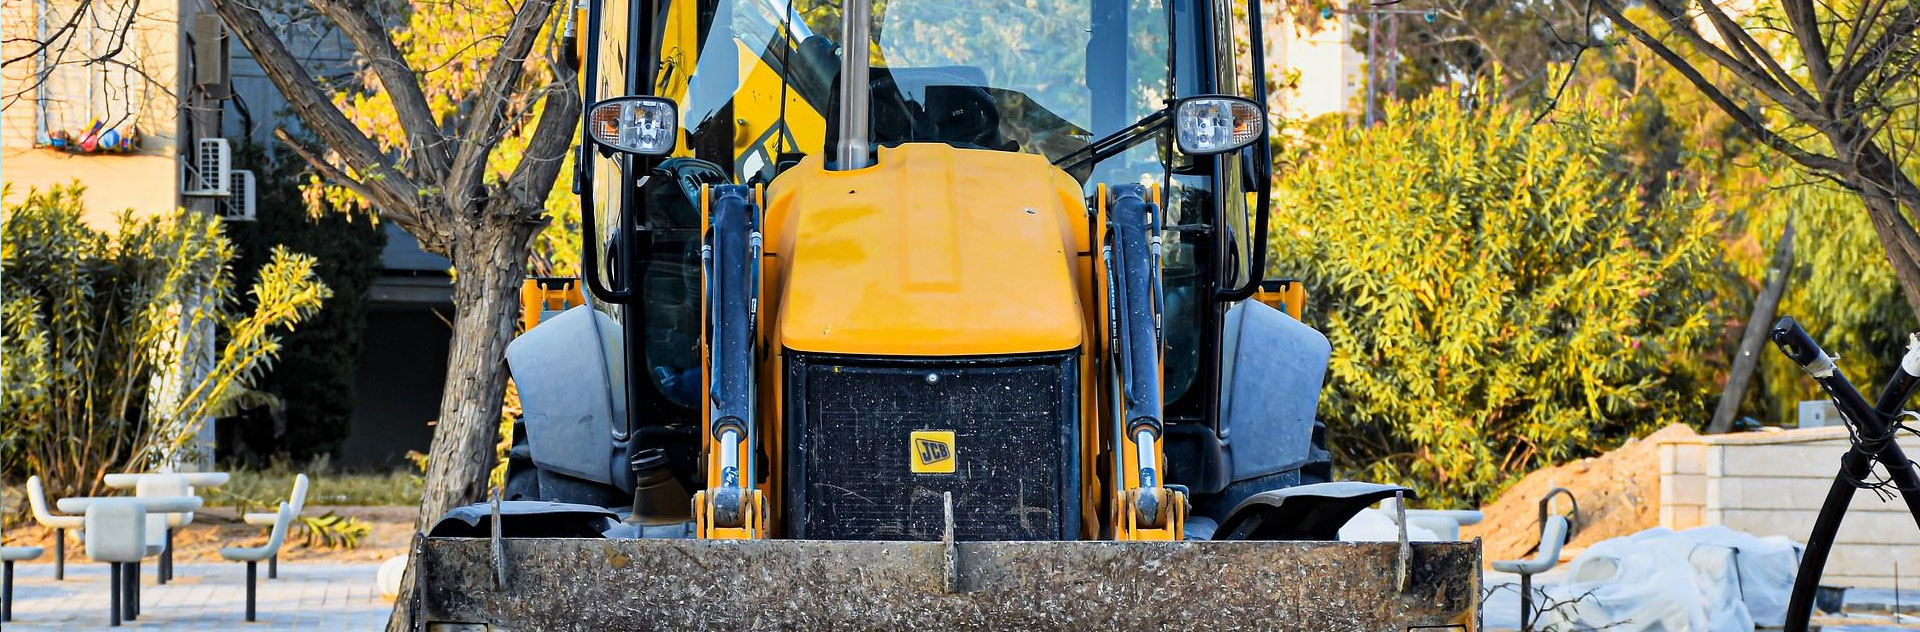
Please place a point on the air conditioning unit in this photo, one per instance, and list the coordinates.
(238, 207)
(210, 173)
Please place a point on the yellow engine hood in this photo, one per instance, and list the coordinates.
(933, 251)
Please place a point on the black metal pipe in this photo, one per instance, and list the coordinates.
(1813, 560)
(6, 594)
(250, 579)
(131, 575)
(163, 571)
(59, 554)
(1874, 435)
(1526, 602)
(113, 593)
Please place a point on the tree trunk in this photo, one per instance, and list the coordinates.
(1884, 189)
(489, 263)
(1758, 322)
(1884, 212)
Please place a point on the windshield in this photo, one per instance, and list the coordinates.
(755, 79)
(1034, 76)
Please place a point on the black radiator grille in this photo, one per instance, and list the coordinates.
(1013, 426)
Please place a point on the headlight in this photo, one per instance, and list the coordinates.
(637, 125)
(1213, 124)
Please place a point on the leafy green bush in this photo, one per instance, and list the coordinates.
(315, 378)
(1499, 295)
(94, 322)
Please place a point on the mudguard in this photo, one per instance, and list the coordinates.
(1306, 512)
(1272, 379)
(524, 518)
(570, 397)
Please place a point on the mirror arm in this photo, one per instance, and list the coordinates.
(1118, 142)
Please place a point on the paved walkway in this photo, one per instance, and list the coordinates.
(202, 597)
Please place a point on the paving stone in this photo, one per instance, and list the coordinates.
(203, 597)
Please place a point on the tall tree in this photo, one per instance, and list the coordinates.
(1841, 76)
(433, 177)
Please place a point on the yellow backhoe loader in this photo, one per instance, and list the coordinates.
(907, 313)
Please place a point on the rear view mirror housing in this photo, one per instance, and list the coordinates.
(1215, 124)
(642, 126)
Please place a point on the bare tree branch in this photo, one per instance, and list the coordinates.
(1755, 53)
(334, 175)
(1855, 71)
(1813, 46)
(481, 133)
(424, 139)
(1739, 115)
(540, 165)
(1679, 24)
(390, 190)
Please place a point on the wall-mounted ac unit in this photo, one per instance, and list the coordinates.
(238, 207)
(210, 173)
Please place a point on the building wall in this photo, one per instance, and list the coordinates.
(1773, 484)
(402, 369)
(1331, 72)
(65, 92)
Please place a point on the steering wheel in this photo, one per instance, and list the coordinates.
(691, 173)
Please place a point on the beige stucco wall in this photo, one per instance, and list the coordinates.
(1773, 484)
(1331, 72)
(135, 91)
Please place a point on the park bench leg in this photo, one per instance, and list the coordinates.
(6, 595)
(273, 567)
(250, 577)
(164, 570)
(59, 554)
(114, 588)
(131, 575)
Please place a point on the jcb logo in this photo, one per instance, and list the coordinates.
(931, 451)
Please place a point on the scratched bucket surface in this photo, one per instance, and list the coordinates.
(599, 584)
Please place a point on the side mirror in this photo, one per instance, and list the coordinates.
(1213, 124)
(644, 126)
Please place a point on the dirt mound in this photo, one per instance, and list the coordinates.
(1619, 494)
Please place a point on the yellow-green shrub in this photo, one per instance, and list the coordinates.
(1499, 295)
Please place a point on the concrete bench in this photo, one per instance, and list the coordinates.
(9, 555)
(253, 555)
(37, 501)
(295, 501)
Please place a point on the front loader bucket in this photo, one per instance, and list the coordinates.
(606, 584)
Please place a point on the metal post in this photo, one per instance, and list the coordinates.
(273, 567)
(851, 148)
(130, 573)
(59, 554)
(113, 590)
(1393, 56)
(1373, 35)
(164, 570)
(6, 594)
(250, 577)
(1526, 602)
